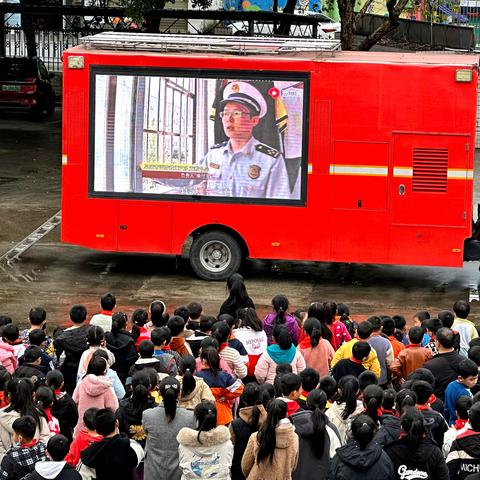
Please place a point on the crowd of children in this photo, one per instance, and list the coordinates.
(186, 395)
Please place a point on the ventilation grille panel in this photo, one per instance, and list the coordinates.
(430, 170)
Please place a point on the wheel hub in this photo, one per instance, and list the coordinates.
(215, 256)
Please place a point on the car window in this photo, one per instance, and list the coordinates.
(17, 68)
(43, 71)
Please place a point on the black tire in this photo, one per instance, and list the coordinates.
(215, 255)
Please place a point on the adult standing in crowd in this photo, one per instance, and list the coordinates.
(162, 423)
(444, 365)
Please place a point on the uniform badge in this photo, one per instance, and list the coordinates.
(214, 165)
(235, 88)
(254, 171)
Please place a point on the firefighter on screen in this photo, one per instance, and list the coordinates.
(243, 166)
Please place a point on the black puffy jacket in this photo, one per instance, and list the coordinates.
(389, 430)
(425, 462)
(353, 463)
(464, 456)
(122, 345)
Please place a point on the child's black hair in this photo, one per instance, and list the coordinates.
(329, 385)
(169, 390)
(373, 401)
(361, 350)
(89, 418)
(139, 319)
(161, 336)
(467, 368)
(25, 426)
(310, 379)
(37, 316)
(176, 324)
(58, 447)
(186, 369)
(105, 421)
(108, 302)
(10, 332)
(363, 430)
(44, 397)
(462, 406)
(95, 336)
(289, 383)
(389, 399)
(348, 389)
(31, 354)
(211, 356)
(146, 349)
(37, 337)
(367, 378)
(206, 415)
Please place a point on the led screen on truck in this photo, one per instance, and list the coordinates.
(204, 136)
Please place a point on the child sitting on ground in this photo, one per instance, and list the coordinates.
(20, 460)
(85, 437)
(291, 385)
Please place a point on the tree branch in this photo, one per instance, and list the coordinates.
(362, 12)
(389, 25)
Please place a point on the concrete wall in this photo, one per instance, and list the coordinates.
(411, 31)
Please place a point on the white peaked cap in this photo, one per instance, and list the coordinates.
(246, 94)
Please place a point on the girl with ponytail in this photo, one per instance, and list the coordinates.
(272, 452)
(415, 452)
(318, 440)
(339, 330)
(390, 428)
(346, 406)
(250, 416)
(362, 458)
(209, 442)
(282, 351)
(121, 343)
(130, 410)
(161, 426)
(316, 351)
(280, 316)
(252, 336)
(64, 408)
(44, 399)
(373, 401)
(20, 395)
(224, 387)
(221, 332)
(193, 389)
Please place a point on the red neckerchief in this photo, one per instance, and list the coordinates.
(387, 412)
(423, 407)
(57, 392)
(48, 413)
(379, 412)
(413, 345)
(459, 424)
(305, 342)
(354, 360)
(304, 394)
(17, 342)
(29, 444)
(222, 346)
(166, 347)
(432, 399)
(106, 312)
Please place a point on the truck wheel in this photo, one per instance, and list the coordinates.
(215, 256)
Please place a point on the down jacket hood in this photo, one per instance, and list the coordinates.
(358, 459)
(119, 344)
(281, 356)
(246, 414)
(303, 423)
(209, 440)
(469, 442)
(49, 470)
(95, 386)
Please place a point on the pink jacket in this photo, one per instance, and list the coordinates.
(7, 357)
(223, 365)
(318, 357)
(91, 392)
(266, 367)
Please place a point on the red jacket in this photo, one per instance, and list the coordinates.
(81, 442)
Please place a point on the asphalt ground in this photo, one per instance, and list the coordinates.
(30, 185)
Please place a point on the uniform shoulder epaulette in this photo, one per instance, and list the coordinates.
(270, 151)
(219, 145)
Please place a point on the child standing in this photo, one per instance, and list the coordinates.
(64, 408)
(467, 378)
(86, 436)
(291, 385)
(26, 452)
(55, 468)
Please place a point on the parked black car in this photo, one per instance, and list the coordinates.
(25, 85)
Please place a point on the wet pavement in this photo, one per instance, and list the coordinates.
(30, 169)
